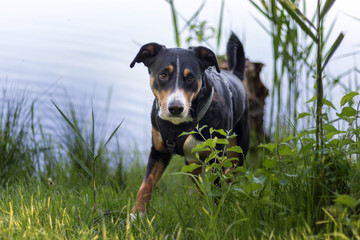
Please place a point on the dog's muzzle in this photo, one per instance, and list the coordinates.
(176, 108)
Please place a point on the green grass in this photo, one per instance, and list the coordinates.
(282, 192)
(272, 197)
(18, 148)
(31, 210)
(278, 194)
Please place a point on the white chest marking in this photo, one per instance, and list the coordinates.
(189, 144)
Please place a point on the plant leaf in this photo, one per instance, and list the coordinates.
(175, 25)
(347, 98)
(222, 141)
(239, 169)
(227, 164)
(201, 128)
(236, 149)
(92, 127)
(194, 16)
(328, 103)
(269, 146)
(205, 146)
(294, 12)
(220, 23)
(329, 128)
(269, 163)
(289, 138)
(345, 200)
(82, 165)
(187, 133)
(112, 134)
(190, 168)
(262, 11)
(221, 131)
(333, 48)
(261, 25)
(74, 128)
(311, 99)
(286, 150)
(302, 115)
(328, 4)
(347, 112)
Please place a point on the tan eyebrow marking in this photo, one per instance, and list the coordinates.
(186, 72)
(170, 68)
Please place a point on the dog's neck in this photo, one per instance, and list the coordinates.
(203, 101)
(205, 106)
(170, 134)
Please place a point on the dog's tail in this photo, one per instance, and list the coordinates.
(236, 56)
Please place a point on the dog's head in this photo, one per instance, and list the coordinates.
(175, 77)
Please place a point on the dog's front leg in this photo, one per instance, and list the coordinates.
(155, 168)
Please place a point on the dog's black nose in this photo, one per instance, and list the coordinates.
(176, 109)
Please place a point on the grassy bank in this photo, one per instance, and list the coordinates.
(34, 210)
(282, 191)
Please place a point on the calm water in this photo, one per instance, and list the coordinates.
(80, 51)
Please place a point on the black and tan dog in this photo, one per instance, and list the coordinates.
(189, 92)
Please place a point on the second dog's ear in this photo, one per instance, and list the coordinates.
(206, 56)
(147, 54)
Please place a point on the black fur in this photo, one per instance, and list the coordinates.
(236, 56)
(218, 99)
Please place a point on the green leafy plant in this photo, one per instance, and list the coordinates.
(217, 160)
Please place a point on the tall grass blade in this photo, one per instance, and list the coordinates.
(333, 48)
(292, 10)
(93, 150)
(112, 134)
(277, 35)
(328, 4)
(220, 23)
(330, 30)
(300, 14)
(262, 25)
(346, 55)
(92, 128)
(351, 16)
(260, 10)
(82, 165)
(73, 127)
(175, 24)
(273, 11)
(195, 15)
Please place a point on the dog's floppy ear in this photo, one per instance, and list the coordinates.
(206, 56)
(147, 54)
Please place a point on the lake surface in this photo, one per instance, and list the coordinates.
(80, 51)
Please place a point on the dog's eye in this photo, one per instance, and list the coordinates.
(163, 76)
(190, 78)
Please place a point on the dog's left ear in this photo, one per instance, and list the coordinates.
(206, 56)
(147, 54)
